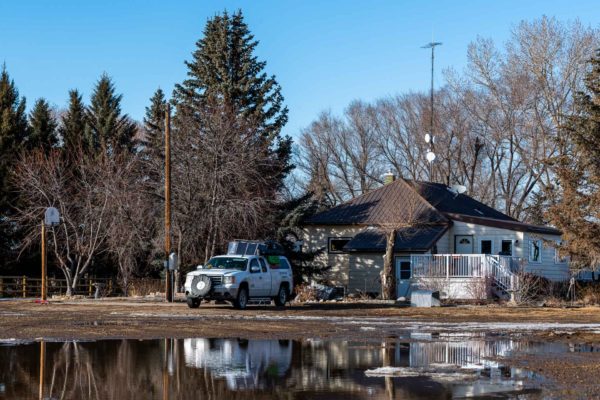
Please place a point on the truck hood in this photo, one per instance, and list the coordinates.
(212, 272)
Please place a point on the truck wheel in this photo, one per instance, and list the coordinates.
(282, 296)
(193, 302)
(242, 299)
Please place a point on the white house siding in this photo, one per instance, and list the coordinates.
(481, 232)
(364, 272)
(443, 244)
(548, 267)
(317, 237)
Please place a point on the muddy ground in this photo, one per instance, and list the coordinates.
(575, 376)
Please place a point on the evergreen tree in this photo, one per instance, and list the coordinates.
(292, 215)
(576, 198)
(108, 127)
(42, 127)
(154, 122)
(225, 71)
(13, 130)
(74, 129)
(13, 134)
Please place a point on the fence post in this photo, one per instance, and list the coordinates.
(1, 287)
(89, 287)
(24, 285)
(110, 286)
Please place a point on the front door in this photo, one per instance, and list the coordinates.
(403, 275)
(463, 244)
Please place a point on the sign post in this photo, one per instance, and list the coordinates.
(51, 218)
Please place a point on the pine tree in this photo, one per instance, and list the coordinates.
(13, 134)
(576, 198)
(154, 122)
(74, 129)
(108, 127)
(13, 131)
(42, 127)
(224, 70)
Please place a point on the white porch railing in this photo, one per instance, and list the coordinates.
(501, 269)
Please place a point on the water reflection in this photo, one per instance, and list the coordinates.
(258, 369)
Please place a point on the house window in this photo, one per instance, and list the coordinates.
(535, 250)
(558, 258)
(403, 266)
(486, 246)
(507, 248)
(336, 245)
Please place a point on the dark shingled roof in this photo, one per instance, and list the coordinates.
(407, 239)
(394, 202)
(448, 202)
(421, 202)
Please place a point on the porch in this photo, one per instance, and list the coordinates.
(465, 276)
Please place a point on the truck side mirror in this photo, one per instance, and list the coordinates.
(254, 269)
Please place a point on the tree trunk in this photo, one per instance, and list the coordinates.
(388, 278)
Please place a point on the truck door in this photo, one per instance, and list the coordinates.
(270, 278)
(261, 279)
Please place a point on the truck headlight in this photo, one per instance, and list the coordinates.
(228, 280)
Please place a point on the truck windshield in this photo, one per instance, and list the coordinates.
(227, 263)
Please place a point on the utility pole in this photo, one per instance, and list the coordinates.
(168, 273)
(429, 138)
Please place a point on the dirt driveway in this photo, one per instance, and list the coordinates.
(97, 319)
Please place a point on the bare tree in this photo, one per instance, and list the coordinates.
(81, 192)
(220, 190)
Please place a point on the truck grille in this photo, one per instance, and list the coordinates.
(216, 280)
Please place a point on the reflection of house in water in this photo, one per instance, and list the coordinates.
(339, 366)
(471, 352)
(241, 362)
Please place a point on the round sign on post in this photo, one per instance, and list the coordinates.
(173, 261)
(51, 217)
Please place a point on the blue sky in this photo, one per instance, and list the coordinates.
(324, 53)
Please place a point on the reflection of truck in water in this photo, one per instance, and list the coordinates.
(250, 271)
(244, 364)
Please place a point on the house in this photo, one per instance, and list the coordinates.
(444, 241)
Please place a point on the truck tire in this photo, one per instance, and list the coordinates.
(282, 296)
(241, 300)
(193, 302)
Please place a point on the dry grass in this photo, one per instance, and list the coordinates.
(304, 293)
(145, 287)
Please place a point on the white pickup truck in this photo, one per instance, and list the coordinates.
(251, 271)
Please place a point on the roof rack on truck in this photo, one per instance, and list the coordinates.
(254, 247)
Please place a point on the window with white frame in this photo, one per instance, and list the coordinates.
(535, 250)
(559, 258)
(486, 246)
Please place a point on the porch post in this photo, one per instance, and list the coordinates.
(447, 267)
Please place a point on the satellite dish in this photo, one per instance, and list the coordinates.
(51, 217)
(430, 156)
(457, 189)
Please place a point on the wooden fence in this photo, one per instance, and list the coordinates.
(23, 286)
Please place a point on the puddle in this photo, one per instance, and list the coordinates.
(417, 365)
